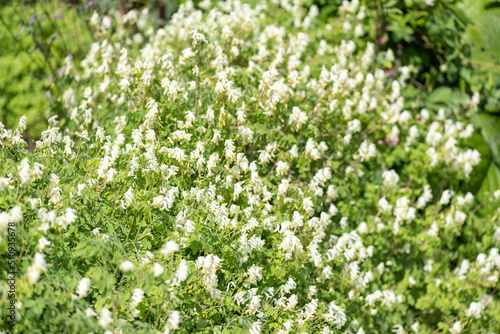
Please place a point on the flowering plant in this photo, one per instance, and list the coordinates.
(244, 170)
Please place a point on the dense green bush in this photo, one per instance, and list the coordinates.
(21, 85)
(250, 169)
(35, 40)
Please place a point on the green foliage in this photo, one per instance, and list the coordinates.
(34, 41)
(286, 171)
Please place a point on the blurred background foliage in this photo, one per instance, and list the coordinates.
(452, 46)
(35, 38)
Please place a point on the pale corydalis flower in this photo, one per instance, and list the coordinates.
(157, 269)
(105, 318)
(136, 299)
(128, 198)
(169, 248)
(36, 268)
(83, 287)
(297, 118)
(173, 322)
(127, 266)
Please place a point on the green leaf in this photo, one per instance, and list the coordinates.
(201, 323)
(478, 173)
(439, 95)
(482, 36)
(245, 322)
(491, 183)
(490, 129)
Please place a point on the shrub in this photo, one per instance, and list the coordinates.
(247, 170)
(34, 41)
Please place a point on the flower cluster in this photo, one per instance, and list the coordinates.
(229, 171)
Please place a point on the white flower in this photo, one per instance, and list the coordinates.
(67, 218)
(384, 205)
(336, 315)
(254, 305)
(16, 214)
(411, 281)
(282, 168)
(367, 151)
(456, 328)
(42, 243)
(90, 313)
(391, 178)
(36, 268)
(354, 126)
(173, 322)
(177, 154)
(136, 299)
(208, 266)
(127, 266)
(80, 188)
(289, 286)
(474, 310)
(425, 198)
(307, 204)
(169, 248)
(446, 196)
(255, 329)
(105, 318)
(83, 287)
(5, 183)
(181, 274)
(297, 118)
(157, 269)
(128, 198)
(254, 274)
(398, 329)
